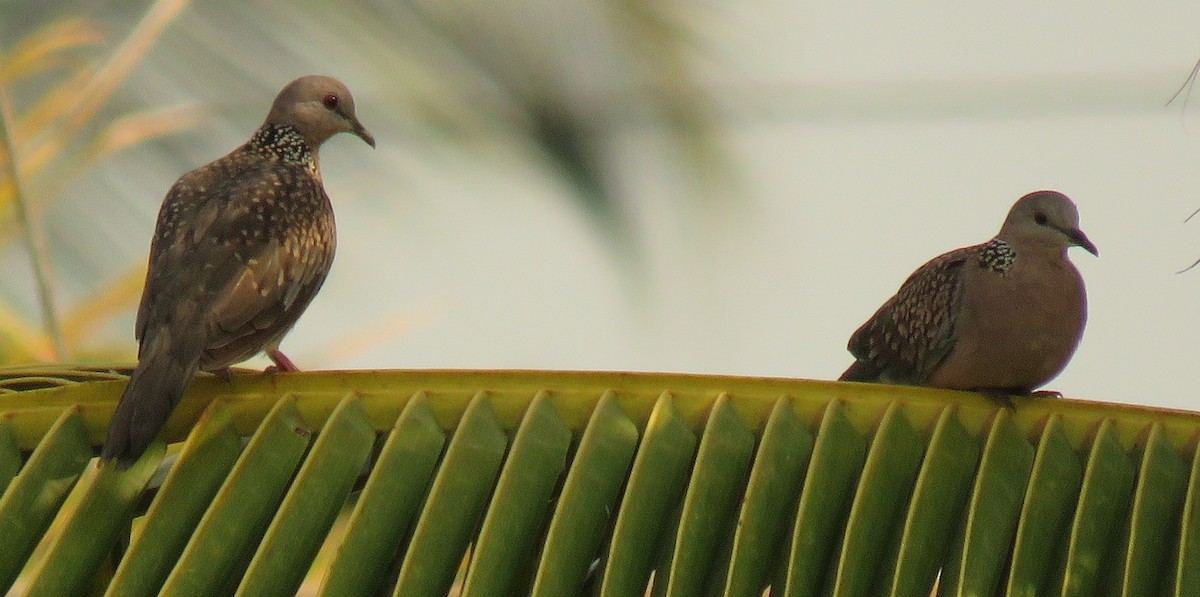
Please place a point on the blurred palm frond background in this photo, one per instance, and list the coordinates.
(113, 103)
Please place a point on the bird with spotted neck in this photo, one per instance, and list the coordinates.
(240, 248)
(1002, 317)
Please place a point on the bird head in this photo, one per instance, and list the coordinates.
(1048, 218)
(318, 107)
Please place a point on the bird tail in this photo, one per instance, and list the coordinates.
(154, 389)
(861, 371)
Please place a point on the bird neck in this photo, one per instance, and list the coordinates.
(284, 142)
(997, 255)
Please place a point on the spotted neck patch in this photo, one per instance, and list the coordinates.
(997, 256)
(284, 142)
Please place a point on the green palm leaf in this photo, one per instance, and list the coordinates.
(519, 482)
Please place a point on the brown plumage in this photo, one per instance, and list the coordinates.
(1003, 316)
(240, 248)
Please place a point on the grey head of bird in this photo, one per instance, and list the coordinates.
(318, 107)
(1045, 219)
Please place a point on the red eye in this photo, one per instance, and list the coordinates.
(330, 101)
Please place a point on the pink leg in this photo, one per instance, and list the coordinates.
(1047, 394)
(282, 363)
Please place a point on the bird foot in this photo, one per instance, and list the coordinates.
(1046, 394)
(282, 362)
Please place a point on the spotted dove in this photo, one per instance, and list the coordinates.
(240, 248)
(1003, 317)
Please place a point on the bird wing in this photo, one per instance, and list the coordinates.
(911, 334)
(265, 300)
(219, 259)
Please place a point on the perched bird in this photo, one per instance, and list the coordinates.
(1003, 317)
(240, 248)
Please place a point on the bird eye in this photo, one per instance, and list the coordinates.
(1040, 218)
(330, 100)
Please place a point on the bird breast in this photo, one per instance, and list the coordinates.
(1031, 315)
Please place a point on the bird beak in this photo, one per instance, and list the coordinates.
(361, 132)
(1080, 239)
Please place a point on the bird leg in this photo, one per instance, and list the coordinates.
(282, 362)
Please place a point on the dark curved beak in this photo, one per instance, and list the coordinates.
(361, 132)
(1080, 239)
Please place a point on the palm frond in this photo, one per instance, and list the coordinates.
(47, 48)
(62, 131)
(561, 481)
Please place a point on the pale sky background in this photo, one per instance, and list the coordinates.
(867, 137)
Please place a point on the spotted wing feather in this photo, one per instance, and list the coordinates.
(911, 334)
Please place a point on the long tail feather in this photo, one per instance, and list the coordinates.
(154, 389)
